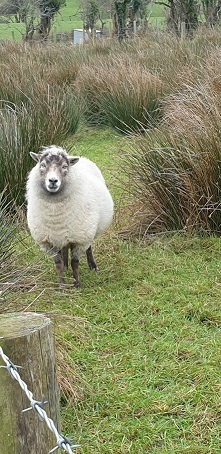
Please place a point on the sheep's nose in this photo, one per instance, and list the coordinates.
(53, 181)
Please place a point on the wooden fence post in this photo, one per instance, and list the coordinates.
(28, 342)
(183, 30)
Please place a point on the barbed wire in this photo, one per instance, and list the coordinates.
(37, 406)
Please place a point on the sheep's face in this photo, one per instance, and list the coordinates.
(54, 164)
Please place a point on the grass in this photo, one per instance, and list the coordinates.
(112, 96)
(145, 343)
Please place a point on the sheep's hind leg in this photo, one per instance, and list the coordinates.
(90, 259)
(59, 264)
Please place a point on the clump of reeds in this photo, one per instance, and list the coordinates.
(9, 239)
(38, 107)
(176, 172)
(45, 89)
(7, 230)
(120, 93)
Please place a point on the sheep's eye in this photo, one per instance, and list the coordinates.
(42, 165)
(65, 167)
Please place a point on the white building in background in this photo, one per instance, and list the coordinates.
(78, 35)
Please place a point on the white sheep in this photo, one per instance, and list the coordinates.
(68, 205)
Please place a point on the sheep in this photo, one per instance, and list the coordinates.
(68, 206)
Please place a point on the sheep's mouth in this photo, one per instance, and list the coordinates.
(52, 189)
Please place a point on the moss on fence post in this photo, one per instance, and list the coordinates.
(28, 342)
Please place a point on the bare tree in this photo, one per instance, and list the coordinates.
(182, 11)
(90, 13)
(189, 13)
(120, 15)
(137, 13)
(93, 11)
(48, 9)
(37, 15)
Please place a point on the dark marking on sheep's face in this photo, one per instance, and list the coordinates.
(54, 164)
(53, 171)
(53, 174)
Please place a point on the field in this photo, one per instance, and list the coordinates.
(139, 342)
(68, 19)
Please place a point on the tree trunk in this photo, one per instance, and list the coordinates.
(44, 27)
(133, 14)
(173, 20)
(121, 18)
(29, 29)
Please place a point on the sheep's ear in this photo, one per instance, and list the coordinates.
(35, 156)
(73, 160)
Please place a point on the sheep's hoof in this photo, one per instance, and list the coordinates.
(93, 267)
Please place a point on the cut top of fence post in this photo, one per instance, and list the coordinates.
(21, 324)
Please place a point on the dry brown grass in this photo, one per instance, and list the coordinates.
(175, 171)
(120, 93)
(70, 334)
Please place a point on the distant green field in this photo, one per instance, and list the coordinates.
(70, 18)
(156, 16)
(11, 31)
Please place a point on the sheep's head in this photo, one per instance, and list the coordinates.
(54, 164)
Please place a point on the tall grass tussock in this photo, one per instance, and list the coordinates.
(120, 93)
(174, 171)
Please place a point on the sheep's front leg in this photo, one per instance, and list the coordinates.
(76, 251)
(64, 255)
(58, 259)
(59, 264)
(90, 259)
(75, 265)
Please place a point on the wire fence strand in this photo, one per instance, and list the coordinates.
(62, 442)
